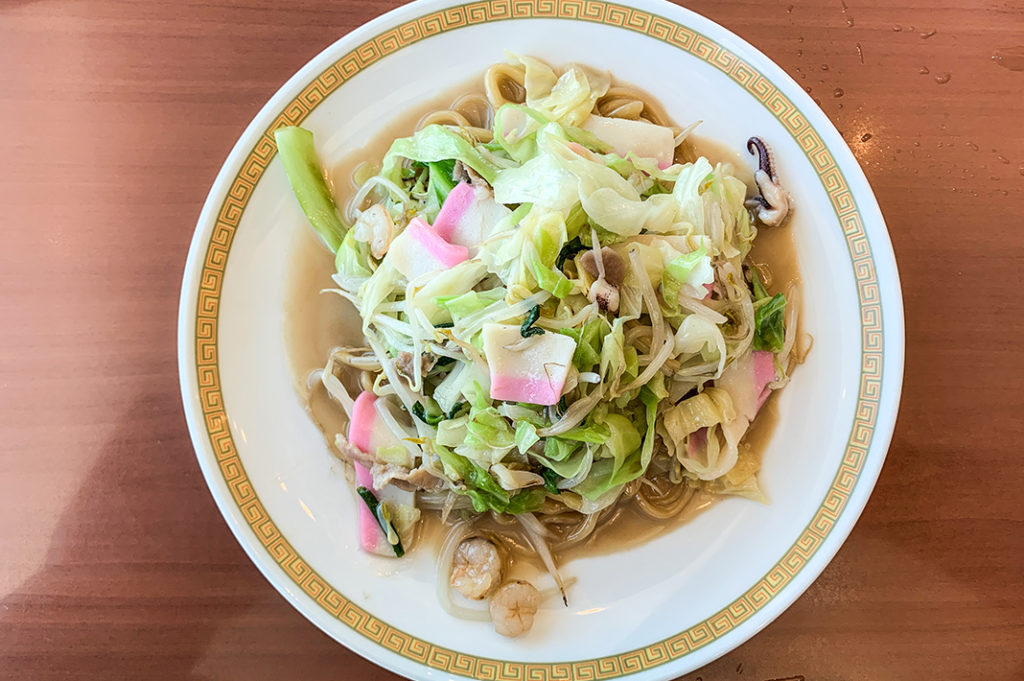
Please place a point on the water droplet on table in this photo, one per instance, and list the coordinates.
(972, 146)
(866, 136)
(897, 28)
(824, 67)
(1002, 159)
(943, 78)
(838, 92)
(923, 71)
(928, 34)
(1011, 58)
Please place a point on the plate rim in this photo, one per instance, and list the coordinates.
(879, 255)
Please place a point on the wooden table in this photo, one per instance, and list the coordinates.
(116, 116)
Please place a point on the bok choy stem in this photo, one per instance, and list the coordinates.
(306, 178)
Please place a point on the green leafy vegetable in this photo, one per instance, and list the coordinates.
(441, 182)
(551, 480)
(484, 491)
(769, 316)
(382, 515)
(463, 305)
(431, 415)
(432, 144)
(569, 251)
(528, 329)
(690, 268)
(559, 449)
(488, 428)
(770, 323)
(526, 436)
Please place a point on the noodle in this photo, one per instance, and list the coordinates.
(505, 84)
(428, 364)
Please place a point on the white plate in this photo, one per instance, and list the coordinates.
(656, 611)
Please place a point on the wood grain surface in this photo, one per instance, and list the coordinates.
(116, 116)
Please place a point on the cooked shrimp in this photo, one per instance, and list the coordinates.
(513, 606)
(476, 568)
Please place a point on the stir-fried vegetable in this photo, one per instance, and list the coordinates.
(553, 309)
(295, 145)
(382, 513)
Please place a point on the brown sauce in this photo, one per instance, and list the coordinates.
(316, 322)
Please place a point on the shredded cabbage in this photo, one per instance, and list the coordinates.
(660, 384)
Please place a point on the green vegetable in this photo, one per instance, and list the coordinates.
(575, 221)
(527, 501)
(650, 397)
(446, 286)
(432, 144)
(572, 465)
(431, 415)
(515, 130)
(613, 361)
(623, 439)
(451, 432)
(528, 329)
(484, 491)
(352, 258)
(590, 431)
(525, 255)
(588, 343)
(383, 516)
(463, 305)
(691, 268)
(568, 98)
(559, 449)
(526, 436)
(569, 251)
(551, 480)
(587, 139)
(770, 323)
(757, 286)
(394, 454)
(487, 428)
(769, 316)
(441, 182)
(677, 229)
(301, 165)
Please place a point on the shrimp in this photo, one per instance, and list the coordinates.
(476, 568)
(513, 606)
